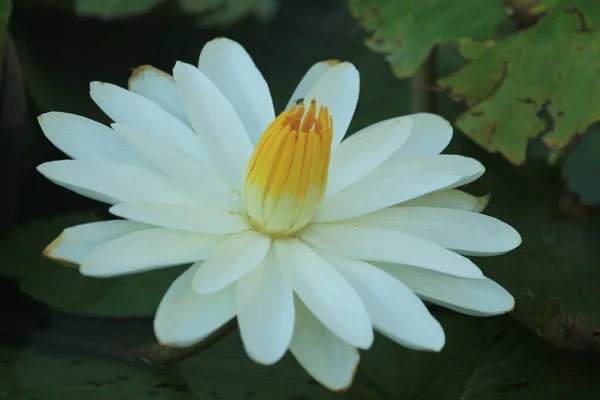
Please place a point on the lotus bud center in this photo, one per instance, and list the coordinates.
(287, 174)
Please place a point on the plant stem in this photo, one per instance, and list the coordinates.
(424, 96)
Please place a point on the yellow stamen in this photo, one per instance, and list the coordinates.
(287, 174)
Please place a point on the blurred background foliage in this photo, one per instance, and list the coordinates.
(518, 77)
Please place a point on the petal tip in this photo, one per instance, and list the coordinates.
(42, 117)
(513, 303)
(481, 203)
(437, 340)
(332, 62)
(49, 252)
(139, 73)
(367, 341)
(347, 67)
(266, 361)
(343, 389)
(223, 40)
(50, 117)
(95, 85)
(440, 343)
(519, 238)
(43, 168)
(86, 270)
(182, 66)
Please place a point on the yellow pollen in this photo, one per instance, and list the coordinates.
(287, 174)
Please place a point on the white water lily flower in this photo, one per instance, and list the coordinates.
(311, 242)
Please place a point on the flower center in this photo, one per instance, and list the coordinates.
(287, 174)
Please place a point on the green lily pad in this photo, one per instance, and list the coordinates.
(519, 367)
(407, 31)
(539, 81)
(47, 374)
(64, 288)
(484, 358)
(225, 372)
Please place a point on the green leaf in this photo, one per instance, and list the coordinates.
(64, 288)
(539, 81)
(406, 31)
(234, 376)
(388, 371)
(581, 168)
(113, 8)
(519, 367)
(52, 374)
(484, 358)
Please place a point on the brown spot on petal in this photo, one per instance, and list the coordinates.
(135, 74)
(52, 246)
(345, 389)
(332, 62)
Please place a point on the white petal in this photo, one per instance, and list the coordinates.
(467, 168)
(360, 154)
(451, 198)
(430, 135)
(194, 218)
(216, 122)
(227, 64)
(76, 242)
(265, 312)
(376, 192)
(461, 231)
(328, 359)
(83, 139)
(128, 108)
(309, 79)
(478, 297)
(196, 175)
(394, 309)
(338, 90)
(148, 249)
(184, 318)
(158, 86)
(234, 258)
(376, 244)
(326, 293)
(114, 183)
